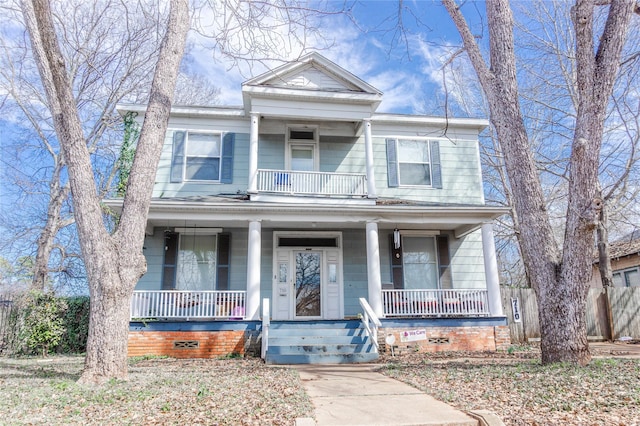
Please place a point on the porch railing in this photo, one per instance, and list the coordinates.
(312, 183)
(435, 303)
(184, 304)
(370, 321)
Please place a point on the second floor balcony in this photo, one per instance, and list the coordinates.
(318, 184)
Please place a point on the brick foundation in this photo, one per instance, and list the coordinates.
(503, 337)
(447, 339)
(210, 344)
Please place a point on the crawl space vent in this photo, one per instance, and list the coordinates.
(186, 344)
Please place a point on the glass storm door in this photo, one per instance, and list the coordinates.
(307, 285)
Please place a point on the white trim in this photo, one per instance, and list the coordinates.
(418, 233)
(198, 231)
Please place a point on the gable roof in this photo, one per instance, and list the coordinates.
(313, 71)
(311, 79)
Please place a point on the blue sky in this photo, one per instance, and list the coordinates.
(407, 70)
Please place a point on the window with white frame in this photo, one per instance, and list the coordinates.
(414, 164)
(202, 156)
(196, 268)
(302, 153)
(419, 262)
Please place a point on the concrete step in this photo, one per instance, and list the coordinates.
(319, 342)
(321, 349)
(316, 340)
(320, 358)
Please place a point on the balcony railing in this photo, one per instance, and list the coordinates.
(183, 304)
(312, 183)
(435, 303)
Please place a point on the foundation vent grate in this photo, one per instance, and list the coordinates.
(186, 344)
(439, 340)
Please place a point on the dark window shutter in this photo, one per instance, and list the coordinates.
(436, 171)
(392, 163)
(170, 261)
(396, 264)
(226, 174)
(224, 261)
(177, 161)
(444, 262)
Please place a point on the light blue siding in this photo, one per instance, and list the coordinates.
(164, 188)
(461, 178)
(467, 261)
(154, 253)
(342, 155)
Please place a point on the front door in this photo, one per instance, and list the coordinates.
(307, 276)
(308, 284)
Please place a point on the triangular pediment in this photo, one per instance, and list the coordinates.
(313, 72)
(312, 87)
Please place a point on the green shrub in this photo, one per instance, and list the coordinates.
(43, 321)
(76, 322)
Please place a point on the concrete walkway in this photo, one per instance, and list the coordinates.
(354, 394)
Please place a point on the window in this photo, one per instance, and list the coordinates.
(302, 154)
(202, 160)
(200, 156)
(413, 162)
(627, 278)
(196, 260)
(420, 265)
(420, 262)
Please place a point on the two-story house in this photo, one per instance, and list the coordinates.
(303, 212)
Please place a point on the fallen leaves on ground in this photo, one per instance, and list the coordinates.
(158, 392)
(521, 391)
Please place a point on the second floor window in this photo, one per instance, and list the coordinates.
(202, 160)
(414, 162)
(200, 156)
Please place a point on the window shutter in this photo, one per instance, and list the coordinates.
(444, 262)
(177, 161)
(226, 173)
(436, 171)
(170, 262)
(392, 163)
(396, 264)
(224, 261)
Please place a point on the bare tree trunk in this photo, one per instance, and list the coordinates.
(604, 256)
(560, 282)
(113, 263)
(57, 197)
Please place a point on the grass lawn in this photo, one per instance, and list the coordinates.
(158, 392)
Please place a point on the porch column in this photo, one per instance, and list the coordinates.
(253, 154)
(373, 268)
(491, 271)
(368, 152)
(253, 271)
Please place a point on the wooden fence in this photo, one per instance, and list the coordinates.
(612, 313)
(6, 305)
